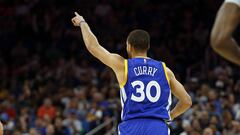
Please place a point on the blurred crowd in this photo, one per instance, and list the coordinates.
(216, 105)
(51, 85)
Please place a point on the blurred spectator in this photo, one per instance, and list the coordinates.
(50, 130)
(47, 109)
(33, 131)
(208, 131)
(73, 124)
(40, 126)
(60, 129)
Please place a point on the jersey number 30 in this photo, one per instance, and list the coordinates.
(139, 85)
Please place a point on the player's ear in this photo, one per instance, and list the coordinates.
(128, 46)
(132, 49)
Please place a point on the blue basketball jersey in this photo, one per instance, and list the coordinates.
(146, 92)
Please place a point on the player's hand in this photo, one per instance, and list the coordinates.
(77, 20)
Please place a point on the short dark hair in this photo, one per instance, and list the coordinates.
(139, 40)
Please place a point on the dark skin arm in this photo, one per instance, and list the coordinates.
(227, 20)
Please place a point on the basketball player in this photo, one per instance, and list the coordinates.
(227, 20)
(146, 84)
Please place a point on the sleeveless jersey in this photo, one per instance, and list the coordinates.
(146, 92)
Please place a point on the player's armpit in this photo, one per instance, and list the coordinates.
(177, 89)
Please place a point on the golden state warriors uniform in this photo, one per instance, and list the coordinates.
(145, 98)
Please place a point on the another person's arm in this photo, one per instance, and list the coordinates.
(184, 100)
(115, 61)
(1, 128)
(227, 20)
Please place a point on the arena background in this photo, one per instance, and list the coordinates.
(51, 85)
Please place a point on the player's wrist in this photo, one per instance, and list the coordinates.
(81, 22)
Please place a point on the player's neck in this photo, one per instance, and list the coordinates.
(140, 55)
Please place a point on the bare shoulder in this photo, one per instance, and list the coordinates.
(118, 61)
(117, 56)
(170, 74)
(118, 67)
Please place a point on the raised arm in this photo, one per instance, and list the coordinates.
(110, 59)
(177, 89)
(115, 61)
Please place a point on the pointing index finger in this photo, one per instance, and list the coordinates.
(76, 14)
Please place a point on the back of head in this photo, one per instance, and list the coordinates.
(139, 40)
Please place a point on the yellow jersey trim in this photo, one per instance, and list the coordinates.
(125, 74)
(165, 71)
